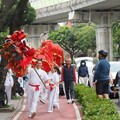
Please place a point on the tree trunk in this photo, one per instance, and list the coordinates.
(18, 16)
(3, 72)
(72, 57)
(15, 24)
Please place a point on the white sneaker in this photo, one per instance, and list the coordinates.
(50, 111)
(29, 116)
(73, 101)
(68, 101)
(58, 107)
(33, 114)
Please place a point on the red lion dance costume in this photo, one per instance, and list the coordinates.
(20, 54)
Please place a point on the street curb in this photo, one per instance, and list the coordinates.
(18, 108)
(78, 116)
(7, 109)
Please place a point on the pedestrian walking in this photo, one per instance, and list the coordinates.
(83, 74)
(69, 78)
(8, 85)
(101, 77)
(34, 83)
(53, 90)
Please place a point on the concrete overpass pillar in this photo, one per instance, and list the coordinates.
(36, 33)
(104, 34)
(103, 21)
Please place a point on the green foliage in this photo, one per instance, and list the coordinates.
(116, 32)
(93, 107)
(116, 38)
(66, 38)
(14, 16)
(2, 36)
(30, 14)
(75, 39)
(87, 39)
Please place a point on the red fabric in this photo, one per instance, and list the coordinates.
(18, 35)
(51, 86)
(19, 55)
(58, 54)
(26, 61)
(36, 87)
(45, 52)
(45, 42)
(56, 51)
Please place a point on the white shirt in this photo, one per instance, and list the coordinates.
(9, 79)
(54, 77)
(34, 78)
(20, 80)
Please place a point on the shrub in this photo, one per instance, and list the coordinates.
(94, 108)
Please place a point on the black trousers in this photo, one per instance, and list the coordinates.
(69, 89)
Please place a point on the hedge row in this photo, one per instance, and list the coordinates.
(94, 108)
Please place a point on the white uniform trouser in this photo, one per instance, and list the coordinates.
(64, 88)
(25, 85)
(8, 90)
(83, 80)
(43, 93)
(52, 95)
(56, 99)
(33, 96)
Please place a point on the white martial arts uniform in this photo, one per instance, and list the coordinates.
(8, 85)
(20, 80)
(34, 88)
(43, 94)
(54, 94)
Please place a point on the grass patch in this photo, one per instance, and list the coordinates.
(16, 97)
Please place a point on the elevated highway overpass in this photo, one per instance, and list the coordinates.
(59, 12)
(101, 12)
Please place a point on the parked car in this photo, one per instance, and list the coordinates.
(114, 68)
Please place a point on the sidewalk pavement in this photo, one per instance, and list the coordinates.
(17, 106)
(66, 112)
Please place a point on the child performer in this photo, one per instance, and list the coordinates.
(53, 90)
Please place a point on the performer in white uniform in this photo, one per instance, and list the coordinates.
(53, 93)
(8, 85)
(34, 87)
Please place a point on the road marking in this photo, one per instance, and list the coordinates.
(19, 113)
(78, 117)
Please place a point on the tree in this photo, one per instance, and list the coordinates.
(76, 38)
(13, 14)
(87, 38)
(116, 38)
(66, 39)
